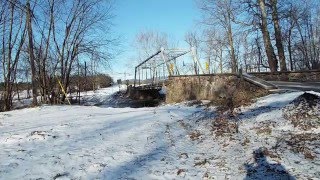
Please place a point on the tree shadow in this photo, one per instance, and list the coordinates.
(262, 169)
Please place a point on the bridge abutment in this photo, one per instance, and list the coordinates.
(218, 88)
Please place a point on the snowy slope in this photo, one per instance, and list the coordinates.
(166, 142)
(101, 96)
(81, 142)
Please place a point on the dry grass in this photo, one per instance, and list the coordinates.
(224, 91)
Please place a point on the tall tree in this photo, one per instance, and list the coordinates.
(31, 53)
(80, 22)
(272, 59)
(13, 37)
(278, 35)
(222, 13)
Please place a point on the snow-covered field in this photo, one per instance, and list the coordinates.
(166, 142)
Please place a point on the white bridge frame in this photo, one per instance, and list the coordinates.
(161, 65)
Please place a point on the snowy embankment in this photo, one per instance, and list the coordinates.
(101, 97)
(166, 142)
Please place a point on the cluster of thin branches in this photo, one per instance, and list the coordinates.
(258, 35)
(48, 41)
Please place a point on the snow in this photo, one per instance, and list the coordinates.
(163, 91)
(165, 142)
(100, 96)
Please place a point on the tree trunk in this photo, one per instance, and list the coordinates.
(278, 35)
(31, 54)
(230, 38)
(272, 60)
(221, 64)
(290, 49)
(259, 54)
(8, 71)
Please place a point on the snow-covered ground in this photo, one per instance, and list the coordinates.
(166, 142)
(101, 97)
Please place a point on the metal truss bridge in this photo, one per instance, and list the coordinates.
(153, 71)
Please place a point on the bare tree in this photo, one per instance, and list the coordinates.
(222, 13)
(214, 45)
(278, 34)
(31, 53)
(272, 60)
(59, 32)
(302, 33)
(149, 42)
(193, 40)
(79, 24)
(13, 37)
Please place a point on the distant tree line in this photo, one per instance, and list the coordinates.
(84, 83)
(46, 42)
(258, 35)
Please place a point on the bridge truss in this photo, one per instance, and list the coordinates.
(167, 62)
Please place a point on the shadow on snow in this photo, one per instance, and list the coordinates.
(262, 169)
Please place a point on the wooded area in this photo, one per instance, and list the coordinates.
(260, 34)
(255, 35)
(49, 41)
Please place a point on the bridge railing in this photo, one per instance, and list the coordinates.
(167, 62)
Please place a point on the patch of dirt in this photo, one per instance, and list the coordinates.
(181, 172)
(304, 111)
(221, 126)
(201, 162)
(305, 143)
(195, 135)
(265, 127)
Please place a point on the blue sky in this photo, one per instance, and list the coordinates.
(174, 17)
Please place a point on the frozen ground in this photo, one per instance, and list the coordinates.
(102, 97)
(166, 142)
